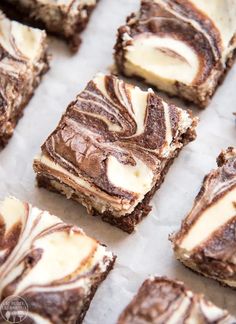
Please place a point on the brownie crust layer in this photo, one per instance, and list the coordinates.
(212, 252)
(66, 20)
(187, 41)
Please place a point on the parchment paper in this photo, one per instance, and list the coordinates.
(148, 250)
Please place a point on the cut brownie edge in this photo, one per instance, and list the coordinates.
(97, 283)
(126, 223)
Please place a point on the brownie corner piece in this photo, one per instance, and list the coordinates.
(206, 240)
(162, 300)
(23, 61)
(188, 46)
(53, 266)
(112, 149)
(66, 19)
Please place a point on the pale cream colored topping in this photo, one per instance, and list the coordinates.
(223, 15)
(137, 178)
(63, 253)
(166, 60)
(137, 108)
(20, 40)
(179, 314)
(210, 220)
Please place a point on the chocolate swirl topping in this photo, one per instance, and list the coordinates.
(161, 300)
(52, 265)
(113, 127)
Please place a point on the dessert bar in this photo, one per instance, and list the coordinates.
(164, 301)
(23, 61)
(112, 149)
(181, 47)
(51, 267)
(65, 18)
(206, 242)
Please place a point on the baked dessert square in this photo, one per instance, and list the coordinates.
(181, 47)
(64, 18)
(23, 61)
(51, 267)
(164, 301)
(112, 149)
(206, 241)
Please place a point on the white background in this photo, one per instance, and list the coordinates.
(148, 250)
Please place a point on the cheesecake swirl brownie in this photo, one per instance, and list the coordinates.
(23, 60)
(53, 266)
(164, 301)
(206, 241)
(65, 18)
(112, 148)
(181, 47)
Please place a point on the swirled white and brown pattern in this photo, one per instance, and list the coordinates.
(206, 241)
(186, 45)
(113, 142)
(65, 18)
(23, 59)
(164, 301)
(54, 266)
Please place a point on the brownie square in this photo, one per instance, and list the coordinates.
(66, 19)
(206, 241)
(181, 47)
(164, 301)
(51, 268)
(23, 61)
(112, 149)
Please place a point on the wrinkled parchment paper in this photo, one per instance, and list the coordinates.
(148, 250)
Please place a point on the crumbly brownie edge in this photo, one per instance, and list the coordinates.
(94, 288)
